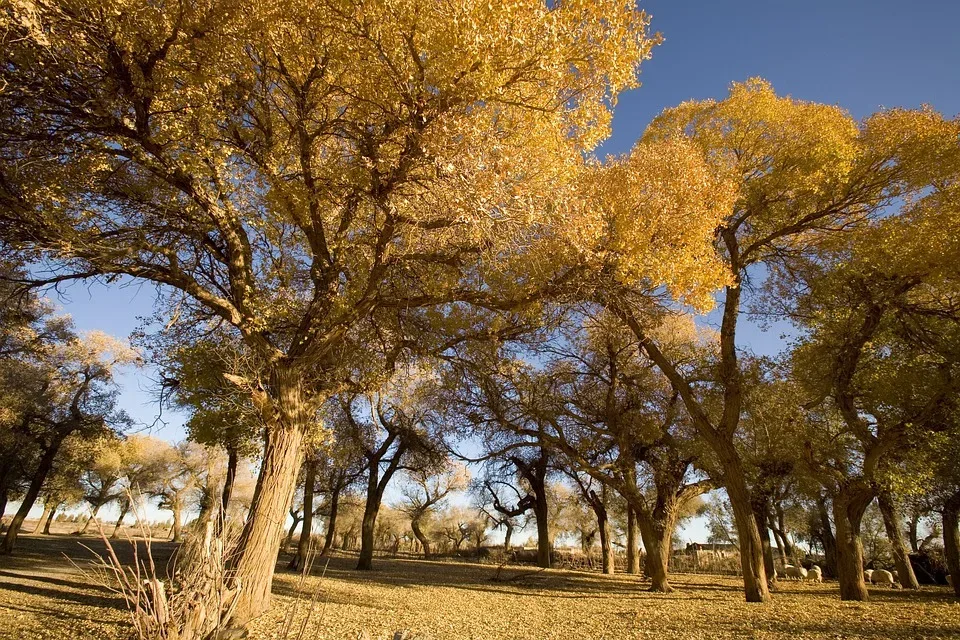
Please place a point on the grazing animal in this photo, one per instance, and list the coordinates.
(796, 573)
(815, 574)
(867, 575)
(882, 576)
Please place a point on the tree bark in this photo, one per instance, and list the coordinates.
(606, 546)
(914, 530)
(657, 560)
(232, 461)
(49, 520)
(848, 511)
(123, 514)
(828, 539)
(331, 520)
(507, 535)
(541, 512)
(177, 522)
(769, 568)
(47, 510)
(751, 547)
(367, 531)
(255, 561)
(306, 531)
(36, 483)
(951, 539)
(633, 557)
(901, 556)
(424, 542)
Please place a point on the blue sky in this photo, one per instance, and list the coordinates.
(862, 55)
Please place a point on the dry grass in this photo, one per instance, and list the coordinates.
(41, 596)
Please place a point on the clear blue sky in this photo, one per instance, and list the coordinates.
(862, 55)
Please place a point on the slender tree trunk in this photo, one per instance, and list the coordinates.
(951, 539)
(424, 543)
(49, 520)
(901, 556)
(914, 530)
(507, 535)
(331, 520)
(228, 482)
(606, 545)
(47, 510)
(259, 544)
(293, 527)
(848, 514)
(751, 547)
(367, 533)
(123, 514)
(93, 516)
(306, 531)
(36, 483)
(633, 557)
(769, 567)
(829, 541)
(778, 539)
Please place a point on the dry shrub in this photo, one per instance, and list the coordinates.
(194, 602)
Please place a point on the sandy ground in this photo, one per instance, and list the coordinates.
(43, 594)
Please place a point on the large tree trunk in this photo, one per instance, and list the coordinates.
(36, 483)
(751, 547)
(541, 512)
(259, 544)
(951, 539)
(123, 514)
(331, 520)
(367, 532)
(901, 556)
(633, 557)
(657, 559)
(847, 514)
(306, 531)
(424, 542)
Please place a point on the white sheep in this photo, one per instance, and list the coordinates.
(867, 575)
(797, 573)
(882, 576)
(815, 574)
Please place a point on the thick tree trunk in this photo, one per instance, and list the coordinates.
(49, 520)
(123, 514)
(36, 483)
(424, 542)
(306, 531)
(262, 533)
(177, 523)
(540, 510)
(951, 539)
(901, 556)
(331, 521)
(848, 514)
(751, 547)
(657, 560)
(633, 557)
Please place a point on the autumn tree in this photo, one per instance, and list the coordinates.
(424, 493)
(297, 169)
(802, 171)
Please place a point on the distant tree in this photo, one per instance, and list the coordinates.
(425, 492)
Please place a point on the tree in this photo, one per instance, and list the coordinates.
(74, 394)
(425, 492)
(300, 170)
(143, 464)
(101, 479)
(803, 171)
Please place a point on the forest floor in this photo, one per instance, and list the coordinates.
(46, 592)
